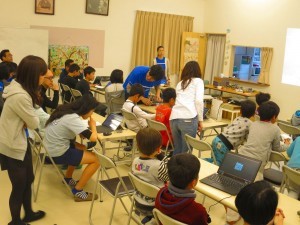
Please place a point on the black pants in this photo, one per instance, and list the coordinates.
(21, 177)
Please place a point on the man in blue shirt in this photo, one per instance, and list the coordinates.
(148, 78)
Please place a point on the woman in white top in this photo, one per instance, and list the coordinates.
(116, 81)
(187, 113)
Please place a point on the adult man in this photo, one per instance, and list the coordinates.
(48, 83)
(6, 56)
(148, 78)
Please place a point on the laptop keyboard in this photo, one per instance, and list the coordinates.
(226, 181)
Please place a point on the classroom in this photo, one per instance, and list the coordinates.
(251, 23)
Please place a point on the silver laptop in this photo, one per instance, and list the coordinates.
(235, 172)
(111, 123)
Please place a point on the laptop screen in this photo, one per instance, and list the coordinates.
(113, 121)
(239, 166)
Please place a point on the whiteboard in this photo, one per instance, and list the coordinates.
(23, 42)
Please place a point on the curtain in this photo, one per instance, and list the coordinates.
(214, 56)
(154, 29)
(266, 59)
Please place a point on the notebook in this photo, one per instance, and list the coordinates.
(235, 172)
(111, 123)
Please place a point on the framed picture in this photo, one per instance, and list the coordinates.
(98, 7)
(44, 7)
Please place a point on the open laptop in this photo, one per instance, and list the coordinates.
(235, 172)
(111, 123)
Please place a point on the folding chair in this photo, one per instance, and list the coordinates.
(115, 101)
(161, 218)
(291, 179)
(271, 175)
(117, 187)
(66, 90)
(129, 116)
(288, 128)
(162, 127)
(39, 140)
(75, 93)
(199, 145)
(144, 188)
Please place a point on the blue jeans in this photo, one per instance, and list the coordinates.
(179, 128)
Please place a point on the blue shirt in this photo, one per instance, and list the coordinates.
(138, 76)
(162, 63)
(1, 86)
(294, 154)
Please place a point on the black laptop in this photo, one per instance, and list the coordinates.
(111, 123)
(235, 172)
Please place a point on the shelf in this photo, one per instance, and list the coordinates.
(231, 79)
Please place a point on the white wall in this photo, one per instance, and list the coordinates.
(261, 23)
(118, 25)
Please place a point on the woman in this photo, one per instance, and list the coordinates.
(164, 62)
(15, 154)
(64, 124)
(116, 81)
(187, 113)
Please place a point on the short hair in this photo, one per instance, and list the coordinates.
(12, 67)
(74, 67)
(257, 203)
(116, 76)
(268, 110)
(4, 71)
(262, 97)
(157, 72)
(159, 47)
(3, 53)
(248, 108)
(148, 140)
(167, 94)
(88, 70)
(68, 62)
(136, 89)
(183, 169)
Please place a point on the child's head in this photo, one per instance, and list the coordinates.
(169, 96)
(89, 73)
(257, 203)
(262, 97)
(155, 73)
(74, 69)
(149, 141)
(116, 76)
(183, 170)
(136, 91)
(268, 111)
(248, 108)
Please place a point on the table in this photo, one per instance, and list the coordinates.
(232, 91)
(207, 123)
(115, 136)
(289, 205)
(98, 91)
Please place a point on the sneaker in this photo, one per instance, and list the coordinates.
(72, 183)
(34, 216)
(83, 196)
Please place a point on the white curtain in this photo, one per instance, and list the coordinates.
(266, 59)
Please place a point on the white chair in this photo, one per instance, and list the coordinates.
(199, 145)
(291, 180)
(39, 148)
(75, 93)
(66, 89)
(288, 128)
(115, 101)
(162, 127)
(117, 187)
(164, 219)
(144, 188)
(271, 175)
(130, 117)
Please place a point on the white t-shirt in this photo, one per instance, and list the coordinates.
(189, 102)
(59, 133)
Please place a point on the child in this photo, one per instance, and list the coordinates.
(295, 121)
(64, 124)
(257, 204)
(136, 92)
(149, 167)
(177, 200)
(163, 112)
(264, 136)
(116, 81)
(262, 97)
(236, 133)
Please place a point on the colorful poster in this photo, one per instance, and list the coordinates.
(58, 54)
(191, 49)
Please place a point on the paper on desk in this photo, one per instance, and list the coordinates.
(99, 87)
(87, 123)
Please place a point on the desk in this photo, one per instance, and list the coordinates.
(231, 91)
(207, 124)
(289, 205)
(115, 136)
(98, 91)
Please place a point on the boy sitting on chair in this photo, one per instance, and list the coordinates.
(150, 166)
(178, 199)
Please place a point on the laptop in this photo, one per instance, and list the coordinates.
(111, 123)
(234, 173)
